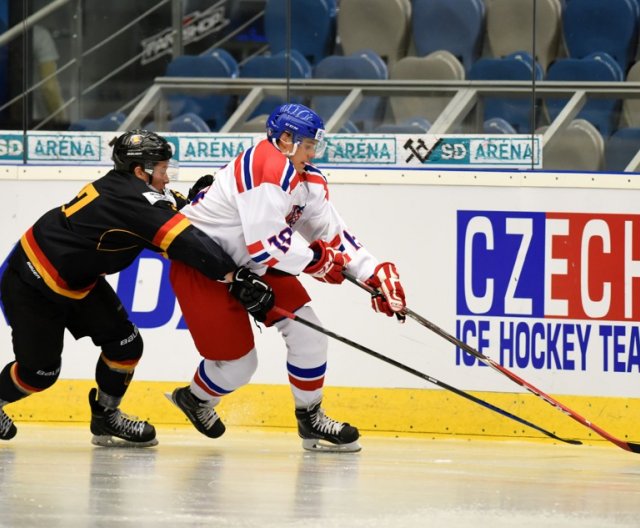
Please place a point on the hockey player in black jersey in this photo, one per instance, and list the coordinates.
(55, 281)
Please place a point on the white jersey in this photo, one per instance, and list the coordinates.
(264, 214)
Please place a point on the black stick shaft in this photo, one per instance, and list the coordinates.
(627, 446)
(419, 374)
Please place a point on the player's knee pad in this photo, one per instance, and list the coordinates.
(124, 352)
(223, 377)
(240, 371)
(34, 379)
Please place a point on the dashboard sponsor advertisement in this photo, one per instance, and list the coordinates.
(344, 150)
(555, 291)
(545, 281)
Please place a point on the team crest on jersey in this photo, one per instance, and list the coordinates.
(294, 215)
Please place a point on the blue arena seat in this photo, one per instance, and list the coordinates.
(364, 64)
(416, 125)
(275, 67)
(456, 26)
(515, 67)
(106, 123)
(214, 109)
(602, 113)
(378, 63)
(609, 26)
(313, 27)
(621, 148)
(497, 125)
(239, 13)
(348, 128)
(188, 123)
(636, 7)
(223, 56)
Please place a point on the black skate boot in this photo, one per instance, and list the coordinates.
(7, 428)
(111, 427)
(321, 433)
(200, 413)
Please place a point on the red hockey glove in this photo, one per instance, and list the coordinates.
(390, 299)
(327, 263)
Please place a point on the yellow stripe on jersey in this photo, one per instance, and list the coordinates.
(46, 270)
(170, 230)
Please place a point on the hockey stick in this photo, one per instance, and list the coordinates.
(419, 374)
(627, 446)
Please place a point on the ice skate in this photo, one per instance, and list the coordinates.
(7, 428)
(113, 428)
(321, 433)
(200, 413)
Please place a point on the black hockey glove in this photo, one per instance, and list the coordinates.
(253, 293)
(203, 181)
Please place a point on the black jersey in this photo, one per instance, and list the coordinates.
(104, 228)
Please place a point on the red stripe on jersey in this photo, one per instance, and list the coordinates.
(335, 242)
(255, 247)
(170, 230)
(46, 269)
(294, 181)
(237, 172)
(268, 165)
(263, 152)
(317, 179)
(309, 385)
(271, 262)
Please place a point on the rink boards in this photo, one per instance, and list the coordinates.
(540, 271)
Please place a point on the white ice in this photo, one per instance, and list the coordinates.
(52, 476)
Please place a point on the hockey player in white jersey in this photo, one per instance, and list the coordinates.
(269, 209)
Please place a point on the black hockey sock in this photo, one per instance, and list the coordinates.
(8, 390)
(112, 382)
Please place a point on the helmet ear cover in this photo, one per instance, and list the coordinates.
(139, 147)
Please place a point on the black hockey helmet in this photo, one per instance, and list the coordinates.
(140, 147)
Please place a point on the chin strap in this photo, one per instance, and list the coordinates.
(148, 170)
(288, 154)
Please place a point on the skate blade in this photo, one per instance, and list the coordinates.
(110, 441)
(314, 444)
(169, 397)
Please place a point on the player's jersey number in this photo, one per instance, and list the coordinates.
(86, 195)
(283, 240)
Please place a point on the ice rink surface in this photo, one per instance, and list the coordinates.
(52, 476)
